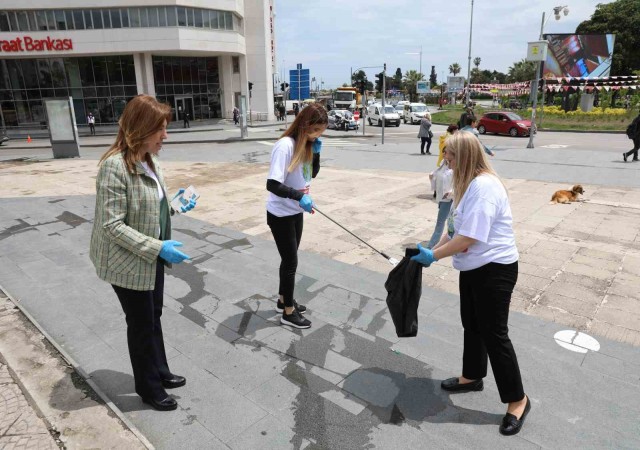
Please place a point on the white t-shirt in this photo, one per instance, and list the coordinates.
(299, 178)
(443, 182)
(152, 174)
(484, 214)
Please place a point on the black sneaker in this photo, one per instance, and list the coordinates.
(295, 320)
(624, 155)
(301, 308)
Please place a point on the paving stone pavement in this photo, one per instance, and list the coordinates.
(346, 383)
(20, 426)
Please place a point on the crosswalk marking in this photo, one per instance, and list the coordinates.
(326, 143)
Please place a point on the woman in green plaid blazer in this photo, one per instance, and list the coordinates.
(131, 241)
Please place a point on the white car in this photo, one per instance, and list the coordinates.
(375, 115)
(414, 112)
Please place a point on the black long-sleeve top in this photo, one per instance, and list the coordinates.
(281, 190)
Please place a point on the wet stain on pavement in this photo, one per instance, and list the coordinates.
(194, 278)
(71, 219)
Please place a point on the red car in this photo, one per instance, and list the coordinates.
(502, 122)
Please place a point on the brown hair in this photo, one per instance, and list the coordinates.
(310, 116)
(452, 128)
(143, 116)
(471, 161)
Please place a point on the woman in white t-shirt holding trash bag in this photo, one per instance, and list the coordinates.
(295, 159)
(481, 240)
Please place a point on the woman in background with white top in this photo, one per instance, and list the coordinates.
(481, 240)
(295, 159)
(442, 184)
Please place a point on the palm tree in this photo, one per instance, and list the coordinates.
(522, 70)
(455, 69)
(411, 78)
(476, 62)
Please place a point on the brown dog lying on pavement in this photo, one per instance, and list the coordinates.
(567, 196)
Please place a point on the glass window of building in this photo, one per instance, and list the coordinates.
(116, 22)
(197, 13)
(13, 21)
(189, 17)
(61, 22)
(206, 20)
(23, 22)
(162, 16)
(172, 20)
(213, 16)
(134, 17)
(106, 18)
(235, 62)
(41, 19)
(144, 17)
(51, 19)
(153, 17)
(88, 19)
(182, 16)
(4, 21)
(228, 21)
(96, 15)
(33, 23)
(124, 13)
(68, 15)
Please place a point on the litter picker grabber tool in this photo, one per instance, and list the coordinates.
(394, 262)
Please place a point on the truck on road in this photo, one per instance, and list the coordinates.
(347, 98)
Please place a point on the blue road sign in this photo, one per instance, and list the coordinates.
(299, 84)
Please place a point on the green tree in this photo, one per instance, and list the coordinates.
(433, 78)
(411, 79)
(476, 62)
(522, 70)
(397, 79)
(622, 18)
(455, 69)
(361, 76)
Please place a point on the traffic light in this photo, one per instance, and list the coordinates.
(379, 78)
(284, 86)
(362, 86)
(250, 85)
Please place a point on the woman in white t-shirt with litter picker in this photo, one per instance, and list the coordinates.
(295, 160)
(481, 240)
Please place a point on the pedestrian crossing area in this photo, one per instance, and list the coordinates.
(328, 143)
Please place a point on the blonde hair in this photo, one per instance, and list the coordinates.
(427, 116)
(143, 116)
(471, 161)
(310, 116)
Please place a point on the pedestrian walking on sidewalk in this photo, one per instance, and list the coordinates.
(425, 134)
(471, 128)
(633, 133)
(131, 241)
(481, 240)
(295, 160)
(185, 120)
(442, 183)
(91, 120)
(236, 115)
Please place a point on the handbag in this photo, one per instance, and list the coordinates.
(430, 134)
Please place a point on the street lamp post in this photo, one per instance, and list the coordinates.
(469, 60)
(534, 86)
(421, 76)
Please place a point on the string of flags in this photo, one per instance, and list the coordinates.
(558, 84)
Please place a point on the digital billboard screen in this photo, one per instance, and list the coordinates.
(578, 55)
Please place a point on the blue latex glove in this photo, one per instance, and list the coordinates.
(170, 253)
(180, 192)
(316, 146)
(306, 203)
(425, 257)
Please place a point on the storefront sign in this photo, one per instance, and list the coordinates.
(29, 44)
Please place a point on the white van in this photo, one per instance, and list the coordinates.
(414, 112)
(390, 116)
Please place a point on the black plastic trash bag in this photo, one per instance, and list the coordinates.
(404, 287)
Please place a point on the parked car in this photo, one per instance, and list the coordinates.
(341, 119)
(414, 112)
(504, 122)
(513, 104)
(376, 115)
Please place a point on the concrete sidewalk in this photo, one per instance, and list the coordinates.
(348, 382)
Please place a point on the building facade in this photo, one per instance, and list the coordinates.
(198, 56)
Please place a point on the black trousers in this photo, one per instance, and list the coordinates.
(92, 128)
(485, 295)
(636, 146)
(424, 140)
(287, 232)
(143, 310)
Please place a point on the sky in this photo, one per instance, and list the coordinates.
(330, 37)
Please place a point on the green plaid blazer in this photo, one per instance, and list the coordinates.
(124, 243)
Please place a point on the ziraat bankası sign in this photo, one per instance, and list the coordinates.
(30, 44)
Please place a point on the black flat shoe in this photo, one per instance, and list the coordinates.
(175, 381)
(454, 385)
(512, 425)
(168, 404)
(624, 156)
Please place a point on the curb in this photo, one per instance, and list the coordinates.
(108, 403)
